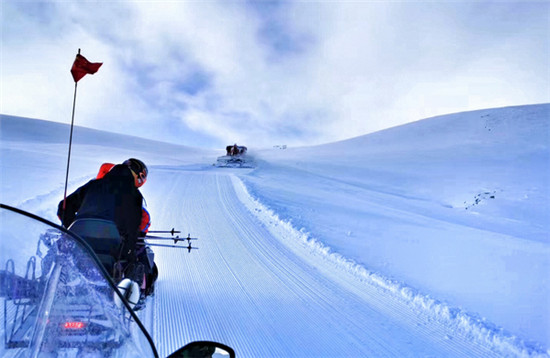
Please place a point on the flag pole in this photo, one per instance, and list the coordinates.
(69, 154)
(81, 67)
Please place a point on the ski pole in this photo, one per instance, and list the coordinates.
(175, 239)
(152, 237)
(173, 231)
(189, 248)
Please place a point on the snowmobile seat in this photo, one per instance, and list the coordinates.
(102, 236)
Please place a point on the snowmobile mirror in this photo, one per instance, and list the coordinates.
(204, 349)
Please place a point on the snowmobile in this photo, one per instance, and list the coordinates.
(235, 157)
(59, 299)
(104, 239)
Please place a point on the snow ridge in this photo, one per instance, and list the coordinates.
(475, 328)
(45, 205)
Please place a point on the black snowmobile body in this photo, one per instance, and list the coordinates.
(59, 300)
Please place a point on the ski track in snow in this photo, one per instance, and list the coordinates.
(267, 290)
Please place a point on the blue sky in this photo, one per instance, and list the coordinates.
(263, 73)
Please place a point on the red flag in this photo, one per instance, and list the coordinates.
(82, 67)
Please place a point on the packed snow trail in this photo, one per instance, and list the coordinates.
(245, 288)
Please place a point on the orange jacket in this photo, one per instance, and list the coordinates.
(104, 169)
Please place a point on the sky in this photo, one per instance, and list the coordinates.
(264, 73)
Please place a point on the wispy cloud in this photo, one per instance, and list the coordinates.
(263, 73)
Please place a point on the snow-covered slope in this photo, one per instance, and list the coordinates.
(429, 238)
(34, 159)
(456, 207)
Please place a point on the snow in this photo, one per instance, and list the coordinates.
(428, 239)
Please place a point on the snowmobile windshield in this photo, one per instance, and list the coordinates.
(57, 298)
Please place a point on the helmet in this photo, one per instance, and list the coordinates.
(140, 170)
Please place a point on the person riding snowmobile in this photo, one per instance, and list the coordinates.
(145, 216)
(114, 197)
(144, 253)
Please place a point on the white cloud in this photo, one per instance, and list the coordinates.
(293, 72)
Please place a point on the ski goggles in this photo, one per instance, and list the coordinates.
(141, 179)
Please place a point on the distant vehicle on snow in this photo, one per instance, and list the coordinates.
(233, 150)
(235, 157)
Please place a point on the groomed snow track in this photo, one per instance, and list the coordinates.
(252, 286)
